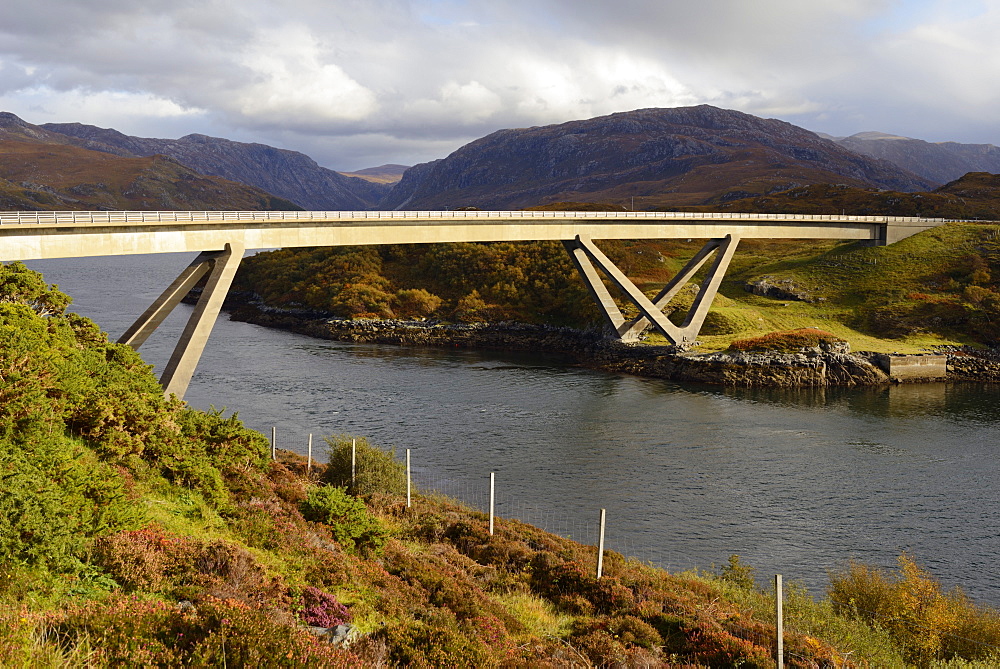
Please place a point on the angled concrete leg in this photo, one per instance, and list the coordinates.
(612, 314)
(151, 319)
(629, 290)
(652, 310)
(695, 317)
(703, 302)
(180, 368)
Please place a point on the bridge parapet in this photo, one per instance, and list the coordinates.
(83, 218)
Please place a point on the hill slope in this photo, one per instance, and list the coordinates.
(685, 155)
(138, 532)
(974, 196)
(287, 174)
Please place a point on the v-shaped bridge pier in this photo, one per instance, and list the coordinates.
(586, 256)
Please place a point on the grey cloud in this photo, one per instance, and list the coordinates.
(420, 76)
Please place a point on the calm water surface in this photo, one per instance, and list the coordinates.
(795, 482)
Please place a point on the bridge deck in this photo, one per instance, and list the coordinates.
(46, 234)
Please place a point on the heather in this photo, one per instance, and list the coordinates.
(140, 532)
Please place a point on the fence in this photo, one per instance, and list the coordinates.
(781, 622)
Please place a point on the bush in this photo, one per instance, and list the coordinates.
(349, 520)
(739, 573)
(435, 642)
(143, 559)
(322, 609)
(376, 470)
(132, 632)
(928, 623)
(789, 341)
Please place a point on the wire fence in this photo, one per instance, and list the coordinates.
(763, 632)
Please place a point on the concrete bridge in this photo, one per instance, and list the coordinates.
(222, 238)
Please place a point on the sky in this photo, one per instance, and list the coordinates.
(360, 83)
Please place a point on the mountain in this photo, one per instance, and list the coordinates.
(686, 155)
(44, 170)
(287, 174)
(940, 162)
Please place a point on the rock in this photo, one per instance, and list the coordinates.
(336, 636)
(779, 289)
(830, 364)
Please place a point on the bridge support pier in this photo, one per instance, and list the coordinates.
(221, 268)
(586, 255)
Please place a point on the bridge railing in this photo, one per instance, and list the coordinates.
(77, 218)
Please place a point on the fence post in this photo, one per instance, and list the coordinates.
(354, 459)
(779, 628)
(274, 443)
(492, 500)
(600, 548)
(309, 464)
(408, 488)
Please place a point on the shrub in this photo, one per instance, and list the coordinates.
(322, 609)
(739, 573)
(928, 623)
(132, 632)
(416, 302)
(789, 341)
(376, 470)
(142, 559)
(350, 522)
(435, 642)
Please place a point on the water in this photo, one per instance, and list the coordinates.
(795, 482)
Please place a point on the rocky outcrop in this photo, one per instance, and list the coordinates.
(974, 365)
(779, 289)
(814, 369)
(700, 149)
(287, 174)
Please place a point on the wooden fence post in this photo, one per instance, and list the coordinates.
(492, 500)
(600, 547)
(408, 486)
(779, 627)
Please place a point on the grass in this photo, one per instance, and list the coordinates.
(538, 616)
(848, 281)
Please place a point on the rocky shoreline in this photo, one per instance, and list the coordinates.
(810, 368)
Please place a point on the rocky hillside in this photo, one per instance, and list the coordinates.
(287, 174)
(677, 156)
(40, 169)
(974, 196)
(940, 162)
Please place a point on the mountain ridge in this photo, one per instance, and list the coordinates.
(288, 174)
(941, 162)
(683, 155)
(42, 169)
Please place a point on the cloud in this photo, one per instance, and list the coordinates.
(420, 76)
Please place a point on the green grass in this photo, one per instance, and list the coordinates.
(915, 280)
